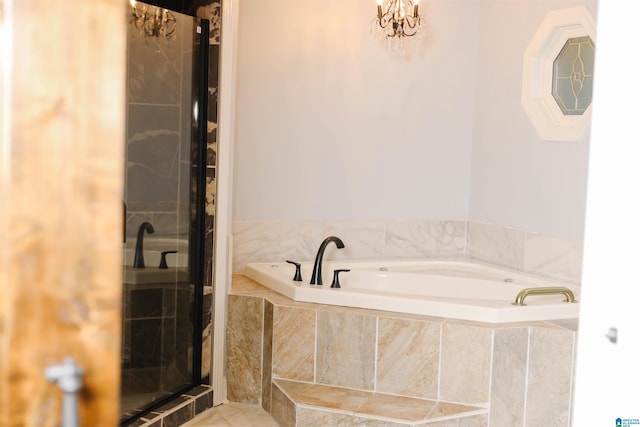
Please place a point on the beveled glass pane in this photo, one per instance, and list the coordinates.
(573, 75)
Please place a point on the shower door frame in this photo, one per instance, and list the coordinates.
(198, 195)
(223, 235)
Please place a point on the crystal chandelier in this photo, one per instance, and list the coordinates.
(153, 21)
(396, 20)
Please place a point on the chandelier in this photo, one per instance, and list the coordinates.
(153, 21)
(396, 20)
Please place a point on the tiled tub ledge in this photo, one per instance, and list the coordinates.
(305, 404)
(300, 361)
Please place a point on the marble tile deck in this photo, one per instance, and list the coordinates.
(392, 409)
(233, 415)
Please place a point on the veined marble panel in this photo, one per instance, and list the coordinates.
(294, 331)
(465, 363)
(345, 354)
(480, 364)
(471, 421)
(155, 58)
(508, 376)
(550, 377)
(267, 354)
(498, 245)
(408, 357)
(256, 241)
(314, 417)
(283, 410)
(244, 348)
(265, 241)
(426, 239)
(320, 405)
(559, 259)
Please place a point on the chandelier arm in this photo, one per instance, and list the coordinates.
(412, 22)
(393, 23)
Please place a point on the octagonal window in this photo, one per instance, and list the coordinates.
(573, 75)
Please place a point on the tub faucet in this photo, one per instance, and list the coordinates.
(316, 276)
(138, 259)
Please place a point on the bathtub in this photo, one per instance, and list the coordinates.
(453, 289)
(153, 246)
(177, 270)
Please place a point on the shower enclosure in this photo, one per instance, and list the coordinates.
(165, 167)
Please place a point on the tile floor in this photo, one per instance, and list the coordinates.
(233, 415)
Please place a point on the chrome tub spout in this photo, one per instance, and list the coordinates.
(560, 290)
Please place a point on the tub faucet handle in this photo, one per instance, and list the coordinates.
(163, 259)
(297, 277)
(336, 279)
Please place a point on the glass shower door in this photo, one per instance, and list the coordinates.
(162, 295)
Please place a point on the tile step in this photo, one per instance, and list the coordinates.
(387, 409)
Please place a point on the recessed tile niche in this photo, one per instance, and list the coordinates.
(557, 75)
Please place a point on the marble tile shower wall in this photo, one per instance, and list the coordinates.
(158, 150)
(266, 241)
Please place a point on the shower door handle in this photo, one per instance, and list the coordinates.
(68, 376)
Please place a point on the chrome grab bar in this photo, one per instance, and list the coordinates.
(568, 294)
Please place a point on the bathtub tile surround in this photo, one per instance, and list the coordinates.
(425, 239)
(553, 257)
(408, 356)
(264, 241)
(310, 403)
(268, 241)
(244, 346)
(360, 365)
(495, 244)
(465, 363)
(556, 258)
(508, 247)
(509, 375)
(297, 325)
(549, 349)
(340, 336)
(267, 356)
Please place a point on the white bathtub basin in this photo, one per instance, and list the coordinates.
(153, 248)
(177, 271)
(453, 289)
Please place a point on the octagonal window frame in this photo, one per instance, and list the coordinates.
(537, 98)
